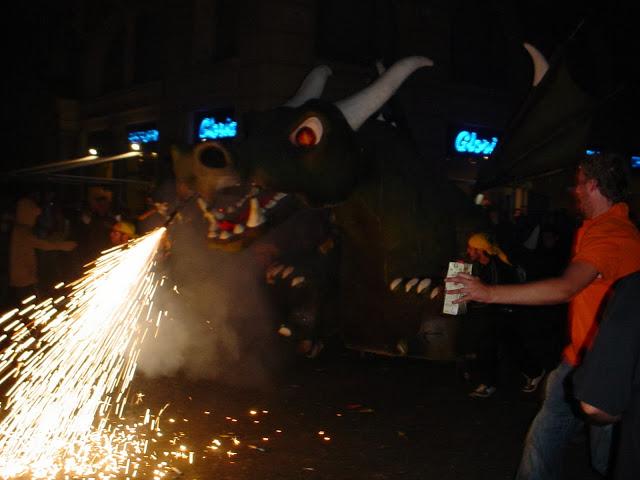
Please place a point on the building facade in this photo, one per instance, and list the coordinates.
(158, 70)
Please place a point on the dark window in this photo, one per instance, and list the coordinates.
(114, 64)
(149, 48)
(225, 28)
(479, 49)
(346, 31)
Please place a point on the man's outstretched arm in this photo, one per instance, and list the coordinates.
(543, 292)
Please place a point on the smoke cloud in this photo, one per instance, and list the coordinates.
(220, 325)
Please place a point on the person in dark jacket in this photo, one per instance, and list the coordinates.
(484, 328)
(608, 382)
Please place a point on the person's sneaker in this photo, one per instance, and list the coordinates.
(483, 391)
(532, 383)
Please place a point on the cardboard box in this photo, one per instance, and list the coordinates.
(448, 307)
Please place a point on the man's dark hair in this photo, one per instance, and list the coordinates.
(607, 169)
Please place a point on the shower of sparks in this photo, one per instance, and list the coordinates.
(66, 364)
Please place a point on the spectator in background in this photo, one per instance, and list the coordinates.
(51, 225)
(485, 327)
(92, 228)
(542, 341)
(23, 265)
(155, 216)
(122, 232)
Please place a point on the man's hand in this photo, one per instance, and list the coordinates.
(598, 416)
(472, 289)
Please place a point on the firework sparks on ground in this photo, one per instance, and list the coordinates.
(66, 364)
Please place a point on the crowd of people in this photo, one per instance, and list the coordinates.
(598, 376)
(44, 243)
(524, 276)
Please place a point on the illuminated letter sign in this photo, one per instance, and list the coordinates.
(144, 136)
(468, 142)
(210, 129)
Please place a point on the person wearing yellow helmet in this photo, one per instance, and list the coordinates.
(480, 248)
(484, 329)
(122, 232)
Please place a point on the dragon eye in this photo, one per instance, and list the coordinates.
(305, 137)
(308, 133)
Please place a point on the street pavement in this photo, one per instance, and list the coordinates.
(344, 416)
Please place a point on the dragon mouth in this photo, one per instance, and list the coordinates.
(240, 214)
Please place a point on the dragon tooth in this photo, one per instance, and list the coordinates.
(297, 281)
(238, 229)
(224, 235)
(284, 331)
(202, 203)
(286, 272)
(204, 207)
(402, 347)
(434, 293)
(279, 196)
(410, 284)
(394, 284)
(256, 216)
(213, 223)
(272, 272)
(271, 204)
(275, 270)
(424, 284)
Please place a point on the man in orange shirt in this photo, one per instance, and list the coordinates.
(606, 248)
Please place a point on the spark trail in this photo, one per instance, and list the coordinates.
(64, 387)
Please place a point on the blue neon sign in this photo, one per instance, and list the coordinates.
(469, 143)
(144, 136)
(210, 129)
(635, 161)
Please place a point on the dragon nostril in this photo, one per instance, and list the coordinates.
(213, 158)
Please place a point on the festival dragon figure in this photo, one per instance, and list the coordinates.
(399, 221)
